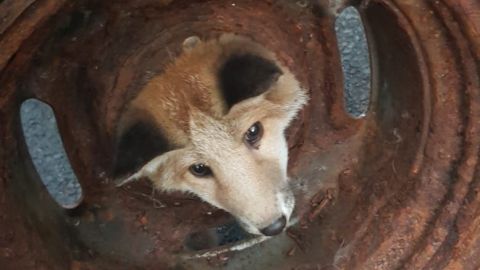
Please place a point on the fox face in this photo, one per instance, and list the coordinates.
(213, 124)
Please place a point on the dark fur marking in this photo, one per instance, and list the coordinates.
(245, 76)
(137, 146)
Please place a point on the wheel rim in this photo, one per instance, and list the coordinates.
(400, 185)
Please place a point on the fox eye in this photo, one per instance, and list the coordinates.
(200, 170)
(254, 134)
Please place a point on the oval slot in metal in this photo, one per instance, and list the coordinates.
(48, 153)
(355, 58)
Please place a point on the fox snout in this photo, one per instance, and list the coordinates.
(263, 216)
(276, 227)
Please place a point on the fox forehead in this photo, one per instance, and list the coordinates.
(194, 82)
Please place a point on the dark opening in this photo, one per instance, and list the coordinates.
(214, 237)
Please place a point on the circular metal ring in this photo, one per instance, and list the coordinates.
(396, 189)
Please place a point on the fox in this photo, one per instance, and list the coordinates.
(212, 124)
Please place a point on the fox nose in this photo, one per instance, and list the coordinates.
(275, 228)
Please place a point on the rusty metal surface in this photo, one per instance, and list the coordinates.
(397, 189)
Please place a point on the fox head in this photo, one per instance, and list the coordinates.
(213, 124)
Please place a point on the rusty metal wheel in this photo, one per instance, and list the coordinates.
(395, 189)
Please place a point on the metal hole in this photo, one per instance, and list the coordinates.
(227, 234)
(48, 154)
(355, 59)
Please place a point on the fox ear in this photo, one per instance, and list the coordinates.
(244, 76)
(190, 42)
(136, 146)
